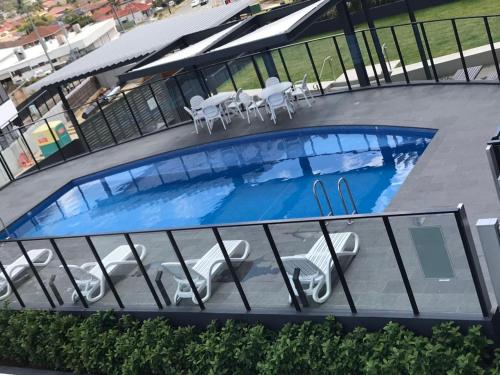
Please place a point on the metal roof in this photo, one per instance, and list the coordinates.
(244, 40)
(142, 41)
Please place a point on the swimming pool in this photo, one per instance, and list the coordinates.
(258, 177)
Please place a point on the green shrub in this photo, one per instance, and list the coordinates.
(106, 344)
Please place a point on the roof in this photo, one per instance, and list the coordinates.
(278, 32)
(142, 41)
(106, 12)
(43, 31)
(59, 10)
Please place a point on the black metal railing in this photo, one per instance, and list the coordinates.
(493, 154)
(387, 258)
(158, 105)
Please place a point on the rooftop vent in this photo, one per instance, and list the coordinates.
(20, 54)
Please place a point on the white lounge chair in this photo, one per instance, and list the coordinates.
(90, 278)
(316, 266)
(197, 118)
(233, 104)
(212, 113)
(20, 265)
(250, 106)
(203, 270)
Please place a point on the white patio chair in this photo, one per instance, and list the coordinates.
(39, 257)
(249, 105)
(212, 113)
(233, 105)
(90, 278)
(196, 102)
(204, 270)
(272, 81)
(316, 266)
(300, 89)
(276, 101)
(197, 118)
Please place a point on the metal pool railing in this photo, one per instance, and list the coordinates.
(391, 272)
(158, 105)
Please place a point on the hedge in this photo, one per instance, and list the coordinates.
(106, 344)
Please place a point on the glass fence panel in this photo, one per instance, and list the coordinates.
(191, 85)
(144, 108)
(371, 273)
(390, 53)
(123, 270)
(67, 135)
(297, 62)
(218, 79)
(21, 274)
(22, 153)
(208, 269)
(494, 26)
(117, 114)
(48, 265)
(86, 272)
(94, 126)
(4, 175)
(476, 49)
(436, 264)
(344, 54)
(256, 267)
(245, 75)
(300, 246)
(159, 252)
(170, 101)
(327, 64)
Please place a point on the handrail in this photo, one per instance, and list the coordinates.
(340, 182)
(320, 183)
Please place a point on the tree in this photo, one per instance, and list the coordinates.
(42, 20)
(72, 18)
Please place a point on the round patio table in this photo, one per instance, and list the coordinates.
(275, 89)
(218, 100)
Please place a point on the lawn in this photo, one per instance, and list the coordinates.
(440, 35)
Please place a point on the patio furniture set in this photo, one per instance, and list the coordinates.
(222, 106)
(316, 267)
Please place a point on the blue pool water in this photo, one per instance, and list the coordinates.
(266, 176)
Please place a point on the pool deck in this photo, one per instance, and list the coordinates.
(453, 169)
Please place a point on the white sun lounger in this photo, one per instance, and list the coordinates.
(203, 270)
(316, 266)
(90, 278)
(17, 268)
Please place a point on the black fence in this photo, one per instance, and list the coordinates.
(412, 263)
(414, 53)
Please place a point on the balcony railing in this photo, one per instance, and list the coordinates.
(158, 105)
(410, 263)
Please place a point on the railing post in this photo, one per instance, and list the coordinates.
(284, 65)
(342, 64)
(194, 289)
(460, 50)
(35, 273)
(400, 55)
(231, 76)
(314, 69)
(401, 266)
(11, 284)
(420, 47)
(68, 272)
(10, 175)
(132, 113)
(276, 253)
(29, 149)
(231, 268)
(299, 288)
(257, 71)
(338, 266)
(55, 139)
(104, 271)
(492, 46)
(161, 288)
(473, 260)
(370, 57)
(143, 270)
(107, 123)
(428, 47)
(186, 103)
(53, 287)
(71, 114)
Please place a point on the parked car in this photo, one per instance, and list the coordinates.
(171, 3)
(203, 2)
(195, 3)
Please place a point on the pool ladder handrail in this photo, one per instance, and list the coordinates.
(341, 182)
(320, 183)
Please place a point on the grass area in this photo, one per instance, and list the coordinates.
(440, 35)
